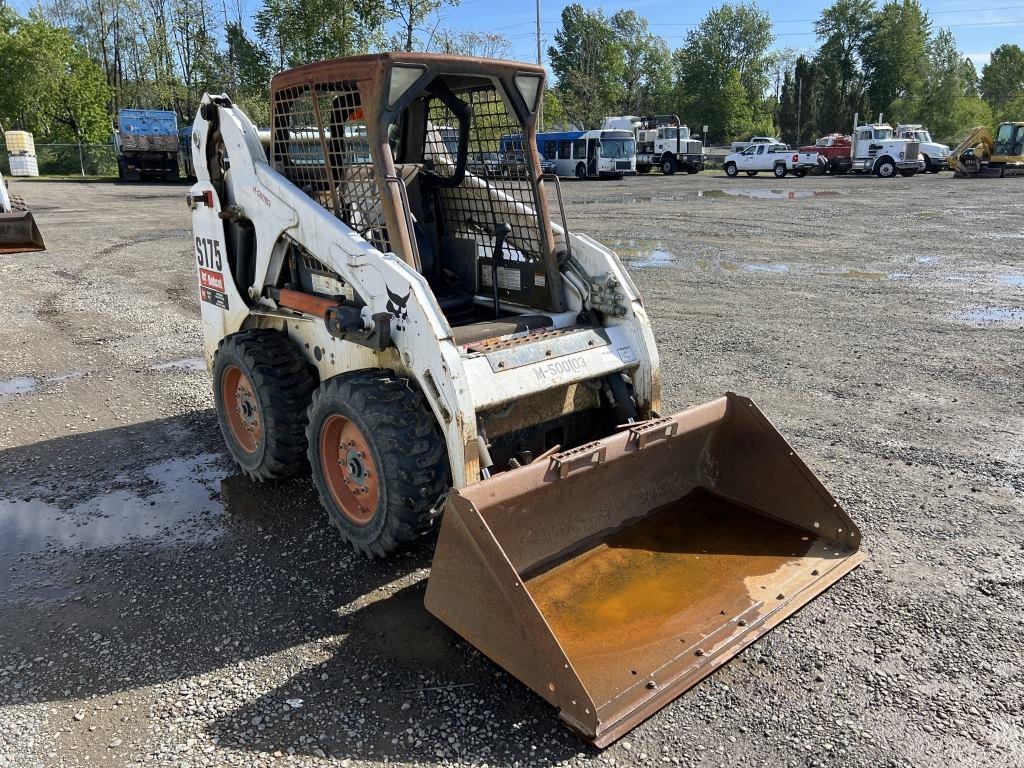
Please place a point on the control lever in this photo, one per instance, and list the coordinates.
(501, 232)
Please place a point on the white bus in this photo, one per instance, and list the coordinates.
(590, 154)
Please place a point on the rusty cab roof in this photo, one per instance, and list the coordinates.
(375, 66)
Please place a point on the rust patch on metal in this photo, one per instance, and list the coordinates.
(647, 593)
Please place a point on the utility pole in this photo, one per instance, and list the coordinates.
(540, 63)
(799, 105)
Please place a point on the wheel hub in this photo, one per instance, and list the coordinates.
(242, 408)
(349, 469)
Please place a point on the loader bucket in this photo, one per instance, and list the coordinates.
(613, 577)
(19, 233)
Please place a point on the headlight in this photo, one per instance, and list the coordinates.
(901, 155)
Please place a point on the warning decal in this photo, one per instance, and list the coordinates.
(217, 298)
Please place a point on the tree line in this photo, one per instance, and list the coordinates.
(69, 65)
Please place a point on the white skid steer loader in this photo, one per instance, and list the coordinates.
(385, 310)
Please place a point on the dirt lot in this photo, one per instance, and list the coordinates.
(158, 609)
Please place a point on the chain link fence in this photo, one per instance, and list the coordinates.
(70, 160)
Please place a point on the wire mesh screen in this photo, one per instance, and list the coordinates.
(499, 174)
(321, 145)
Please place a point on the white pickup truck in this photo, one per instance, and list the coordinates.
(777, 159)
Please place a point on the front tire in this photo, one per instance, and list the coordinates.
(378, 458)
(731, 170)
(886, 168)
(262, 388)
(668, 166)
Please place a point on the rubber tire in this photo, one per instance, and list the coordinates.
(908, 173)
(283, 385)
(668, 166)
(581, 172)
(691, 170)
(800, 173)
(779, 170)
(752, 173)
(408, 451)
(643, 169)
(731, 170)
(885, 161)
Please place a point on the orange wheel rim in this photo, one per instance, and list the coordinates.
(348, 468)
(242, 408)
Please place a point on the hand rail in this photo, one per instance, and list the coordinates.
(561, 207)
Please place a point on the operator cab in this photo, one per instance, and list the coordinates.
(407, 150)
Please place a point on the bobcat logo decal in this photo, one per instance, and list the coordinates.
(396, 306)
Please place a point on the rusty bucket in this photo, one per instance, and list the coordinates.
(18, 230)
(612, 577)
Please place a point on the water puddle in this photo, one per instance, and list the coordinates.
(26, 385)
(182, 500)
(20, 385)
(190, 364)
(987, 317)
(718, 194)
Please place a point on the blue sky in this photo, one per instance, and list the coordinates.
(978, 26)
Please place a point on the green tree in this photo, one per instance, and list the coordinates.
(412, 17)
(1002, 79)
(646, 65)
(730, 45)
(300, 31)
(949, 105)
(798, 114)
(842, 30)
(893, 52)
(50, 85)
(588, 62)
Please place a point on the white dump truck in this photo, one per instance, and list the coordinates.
(933, 155)
(877, 150)
(662, 142)
(777, 159)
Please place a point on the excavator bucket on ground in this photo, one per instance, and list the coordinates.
(612, 577)
(18, 230)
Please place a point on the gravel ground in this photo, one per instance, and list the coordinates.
(156, 608)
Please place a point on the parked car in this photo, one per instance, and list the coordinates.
(547, 166)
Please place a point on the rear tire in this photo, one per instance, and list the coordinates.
(731, 170)
(780, 171)
(691, 170)
(643, 169)
(378, 459)
(581, 171)
(262, 387)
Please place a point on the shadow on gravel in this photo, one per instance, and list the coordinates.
(401, 687)
(243, 571)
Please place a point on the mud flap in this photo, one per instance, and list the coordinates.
(19, 233)
(615, 576)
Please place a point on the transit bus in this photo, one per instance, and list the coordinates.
(590, 154)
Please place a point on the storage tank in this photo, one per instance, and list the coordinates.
(21, 151)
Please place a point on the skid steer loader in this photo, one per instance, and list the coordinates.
(414, 329)
(18, 230)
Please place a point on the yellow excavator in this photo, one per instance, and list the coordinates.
(981, 155)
